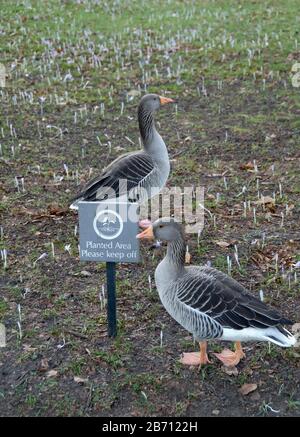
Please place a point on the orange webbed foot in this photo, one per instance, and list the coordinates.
(230, 358)
(196, 358)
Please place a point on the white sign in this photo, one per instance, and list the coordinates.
(107, 231)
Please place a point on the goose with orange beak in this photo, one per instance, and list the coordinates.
(208, 303)
(134, 176)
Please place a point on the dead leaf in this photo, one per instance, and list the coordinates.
(187, 258)
(248, 166)
(262, 260)
(29, 348)
(51, 373)
(223, 243)
(85, 273)
(264, 200)
(247, 388)
(267, 202)
(80, 380)
(230, 370)
(44, 365)
(56, 210)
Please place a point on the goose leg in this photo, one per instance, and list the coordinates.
(196, 358)
(230, 358)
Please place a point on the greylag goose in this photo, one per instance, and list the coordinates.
(208, 303)
(134, 176)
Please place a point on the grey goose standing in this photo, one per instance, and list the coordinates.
(134, 176)
(208, 303)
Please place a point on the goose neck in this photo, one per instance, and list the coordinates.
(146, 125)
(176, 253)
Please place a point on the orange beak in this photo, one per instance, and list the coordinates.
(146, 234)
(165, 100)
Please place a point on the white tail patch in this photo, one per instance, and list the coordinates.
(271, 334)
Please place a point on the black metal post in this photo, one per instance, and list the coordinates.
(111, 299)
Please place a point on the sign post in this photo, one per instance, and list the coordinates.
(111, 299)
(107, 233)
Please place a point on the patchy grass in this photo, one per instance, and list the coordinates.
(70, 66)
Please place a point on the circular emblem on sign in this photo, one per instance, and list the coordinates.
(108, 224)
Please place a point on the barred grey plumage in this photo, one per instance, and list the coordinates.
(134, 176)
(208, 303)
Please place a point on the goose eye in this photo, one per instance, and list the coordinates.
(161, 226)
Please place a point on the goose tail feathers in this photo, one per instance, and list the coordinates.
(280, 336)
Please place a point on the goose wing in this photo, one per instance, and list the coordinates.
(133, 167)
(225, 301)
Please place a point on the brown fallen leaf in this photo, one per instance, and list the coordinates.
(223, 243)
(264, 200)
(44, 365)
(247, 388)
(248, 166)
(51, 373)
(187, 258)
(56, 210)
(268, 202)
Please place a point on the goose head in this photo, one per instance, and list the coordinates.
(163, 229)
(152, 102)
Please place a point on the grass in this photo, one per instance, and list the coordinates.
(70, 66)
(3, 308)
